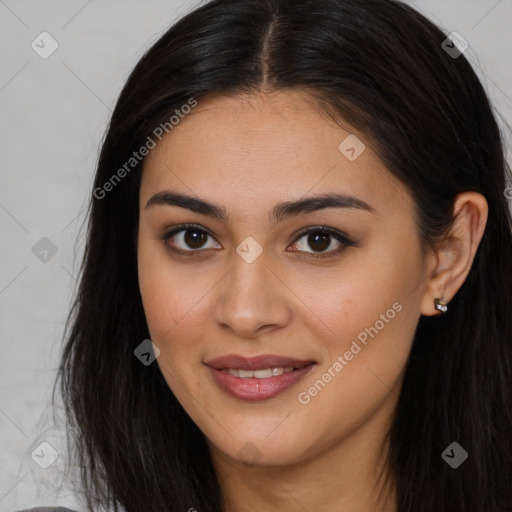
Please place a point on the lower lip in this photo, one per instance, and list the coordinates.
(251, 388)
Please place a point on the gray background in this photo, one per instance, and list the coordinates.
(53, 115)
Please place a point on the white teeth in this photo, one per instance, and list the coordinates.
(259, 374)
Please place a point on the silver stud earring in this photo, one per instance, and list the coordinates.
(440, 304)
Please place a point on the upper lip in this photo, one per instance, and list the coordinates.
(256, 363)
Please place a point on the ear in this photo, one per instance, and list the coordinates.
(450, 262)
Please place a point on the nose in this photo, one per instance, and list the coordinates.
(252, 298)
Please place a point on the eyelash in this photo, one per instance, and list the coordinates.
(340, 237)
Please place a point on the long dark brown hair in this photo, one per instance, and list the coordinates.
(382, 67)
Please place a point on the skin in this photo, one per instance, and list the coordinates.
(248, 153)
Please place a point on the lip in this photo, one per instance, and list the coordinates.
(256, 363)
(252, 388)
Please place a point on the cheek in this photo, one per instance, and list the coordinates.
(370, 310)
(173, 297)
(367, 288)
(373, 317)
(173, 302)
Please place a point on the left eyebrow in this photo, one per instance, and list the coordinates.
(280, 212)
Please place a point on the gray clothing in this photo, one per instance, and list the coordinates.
(48, 509)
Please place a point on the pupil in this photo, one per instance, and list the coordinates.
(319, 240)
(196, 240)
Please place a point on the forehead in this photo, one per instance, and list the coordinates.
(262, 148)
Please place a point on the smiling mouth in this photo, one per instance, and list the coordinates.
(263, 362)
(265, 373)
(258, 378)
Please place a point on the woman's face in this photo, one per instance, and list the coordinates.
(251, 284)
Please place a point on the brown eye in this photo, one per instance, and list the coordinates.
(188, 239)
(321, 240)
(194, 238)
